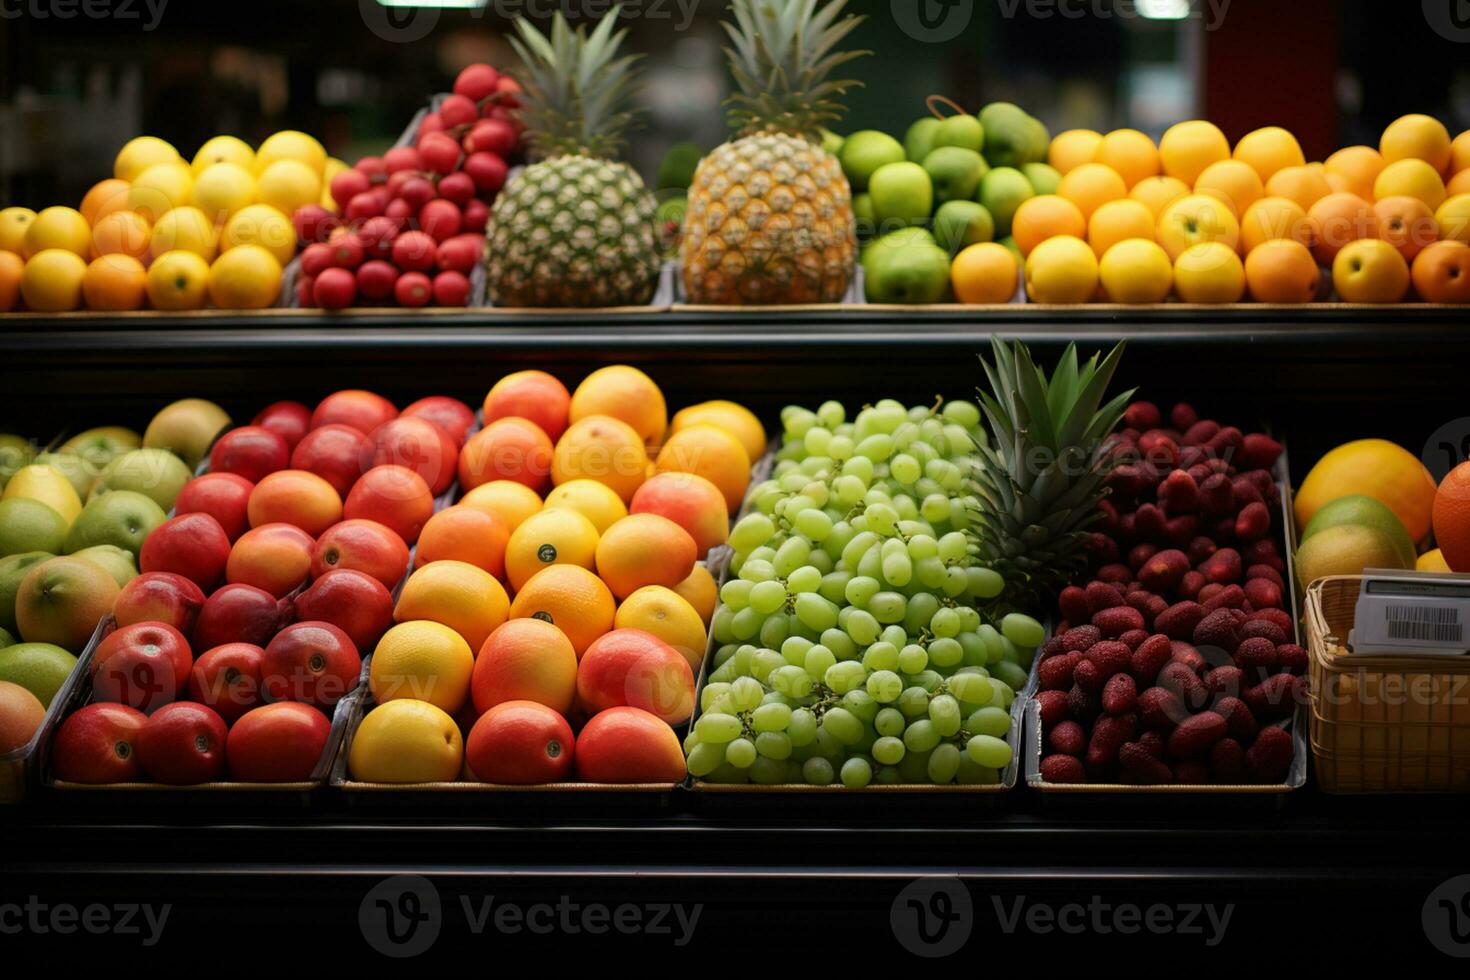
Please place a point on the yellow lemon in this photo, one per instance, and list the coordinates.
(13, 225)
(422, 660)
(289, 184)
(457, 595)
(185, 229)
(1136, 270)
(178, 280)
(668, 616)
(224, 149)
(1432, 561)
(261, 224)
(137, 155)
(1130, 153)
(57, 227)
(221, 189)
(406, 741)
(45, 485)
(701, 592)
(549, 537)
(1061, 270)
(1410, 178)
(735, 418)
(1187, 148)
(52, 281)
(245, 278)
(160, 189)
(1210, 272)
(507, 500)
(291, 145)
(595, 501)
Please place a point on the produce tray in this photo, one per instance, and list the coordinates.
(1082, 794)
(856, 295)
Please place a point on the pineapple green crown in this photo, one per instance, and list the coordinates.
(781, 53)
(577, 88)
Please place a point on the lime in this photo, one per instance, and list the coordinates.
(1346, 549)
(1364, 511)
(12, 570)
(40, 668)
(28, 525)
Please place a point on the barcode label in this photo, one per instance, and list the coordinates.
(1437, 624)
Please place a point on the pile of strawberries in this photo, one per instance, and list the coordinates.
(1175, 664)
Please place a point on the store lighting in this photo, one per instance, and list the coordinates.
(1158, 9)
(455, 4)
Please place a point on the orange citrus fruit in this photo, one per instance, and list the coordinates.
(1410, 178)
(61, 228)
(1374, 468)
(644, 549)
(1092, 185)
(245, 278)
(106, 197)
(1232, 181)
(1131, 153)
(1441, 273)
(115, 282)
(734, 418)
(1043, 217)
(525, 660)
(1062, 270)
(1136, 271)
(572, 599)
(456, 594)
(1157, 193)
(12, 267)
(1336, 220)
(668, 616)
(1187, 148)
(625, 393)
(507, 500)
(690, 501)
(1305, 185)
(1118, 221)
(711, 453)
(549, 537)
(985, 273)
(1453, 218)
(464, 534)
(595, 501)
(605, 449)
(1274, 217)
(1406, 223)
(1073, 148)
(1268, 150)
(1458, 184)
(122, 233)
(701, 592)
(1282, 271)
(422, 660)
(14, 222)
(52, 280)
(1359, 166)
(1451, 518)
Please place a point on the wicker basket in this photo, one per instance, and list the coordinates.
(1382, 724)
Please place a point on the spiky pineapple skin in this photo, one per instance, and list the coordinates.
(770, 221)
(573, 231)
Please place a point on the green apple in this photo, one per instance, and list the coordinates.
(186, 428)
(79, 472)
(955, 173)
(29, 525)
(1009, 134)
(906, 267)
(15, 452)
(676, 172)
(1042, 177)
(40, 668)
(122, 518)
(918, 142)
(961, 223)
(902, 195)
(155, 473)
(1040, 140)
(962, 131)
(864, 152)
(120, 564)
(12, 570)
(832, 143)
(866, 219)
(102, 445)
(1003, 190)
(7, 639)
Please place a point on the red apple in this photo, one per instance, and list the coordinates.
(289, 420)
(449, 414)
(366, 546)
(460, 254)
(457, 187)
(160, 597)
(413, 251)
(238, 614)
(491, 136)
(252, 451)
(354, 602)
(458, 110)
(413, 289)
(440, 152)
(335, 289)
(486, 169)
(223, 496)
(362, 410)
(418, 445)
(99, 744)
(277, 743)
(227, 679)
(476, 82)
(192, 545)
(183, 743)
(313, 223)
(441, 219)
(451, 289)
(376, 279)
(143, 665)
(374, 167)
(312, 662)
(348, 184)
(334, 453)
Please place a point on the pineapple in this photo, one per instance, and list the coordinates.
(1039, 483)
(770, 214)
(577, 227)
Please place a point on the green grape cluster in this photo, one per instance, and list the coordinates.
(858, 639)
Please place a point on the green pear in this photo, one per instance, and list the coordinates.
(1009, 134)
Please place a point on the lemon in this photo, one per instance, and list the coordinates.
(62, 228)
(1432, 561)
(1364, 511)
(13, 225)
(289, 184)
(221, 189)
(1410, 178)
(261, 224)
(140, 154)
(185, 229)
(178, 280)
(52, 280)
(595, 501)
(245, 278)
(290, 145)
(46, 485)
(668, 616)
(422, 660)
(453, 595)
(160, 189)
(1346, 549)
(224, 149)
(406, 741)
(28, 525)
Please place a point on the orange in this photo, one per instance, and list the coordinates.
(625, 393)
(690, 501)
(1441, 273)
(572, 599)
(533, 395)
(1118, 221)
(1061, 270)
(1406, 223)
(1187, 148)
(161, 188)
(1460, 153)
(52, 280)
(605, 449)
(461, 596)
(1274, 217)
(550, 537)
(178, 280)
(1043, 217)
(985, 273)
(1073, 148)
(1458, 184)
(1234, 182)
(668, 616)
(61, 228)
(701, 592)
(424, 661)
(1453, 218)
(595, 501)
(245, 278)
(188, 229)
(506, 449)
(507, 500)
(1092, 185)
(1282, 271)
(115, 282)
(1131, 153)
(1157, 193)
(525, 660)
(644, 549)
(1370, 271)
(12, 267)
(1375, 468)
(1210, 272)
(106, 197)
(1336, 220)
(1451, 517)
(1410, 178)
(1416, 137)
(1359, 166)
(1136, 271)
(711, 453)
(1194, 219)
(1268, 150)
(121, 233)
(14, 223)
(1305, 185)
(464, 534)
(734, 418)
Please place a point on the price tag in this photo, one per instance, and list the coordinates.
(1412, 614)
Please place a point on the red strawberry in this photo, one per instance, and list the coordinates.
(1149, 659)
(1108, 735)
(1073, 603)
(1118, 620)
(1274, 698)
(1062, 769)
(1067, 738)
(1239, 722)
(1160, 707)
(1056, 673)
(1196, 734)
(1227, 761)
(1052, 706)
(1120, 694)
(1100, 596)
(1179, 620)
(1291, 658)
(1080, 638)
(1218, 629)
(1226, 681)
(1140, 767)
(1269, 757)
